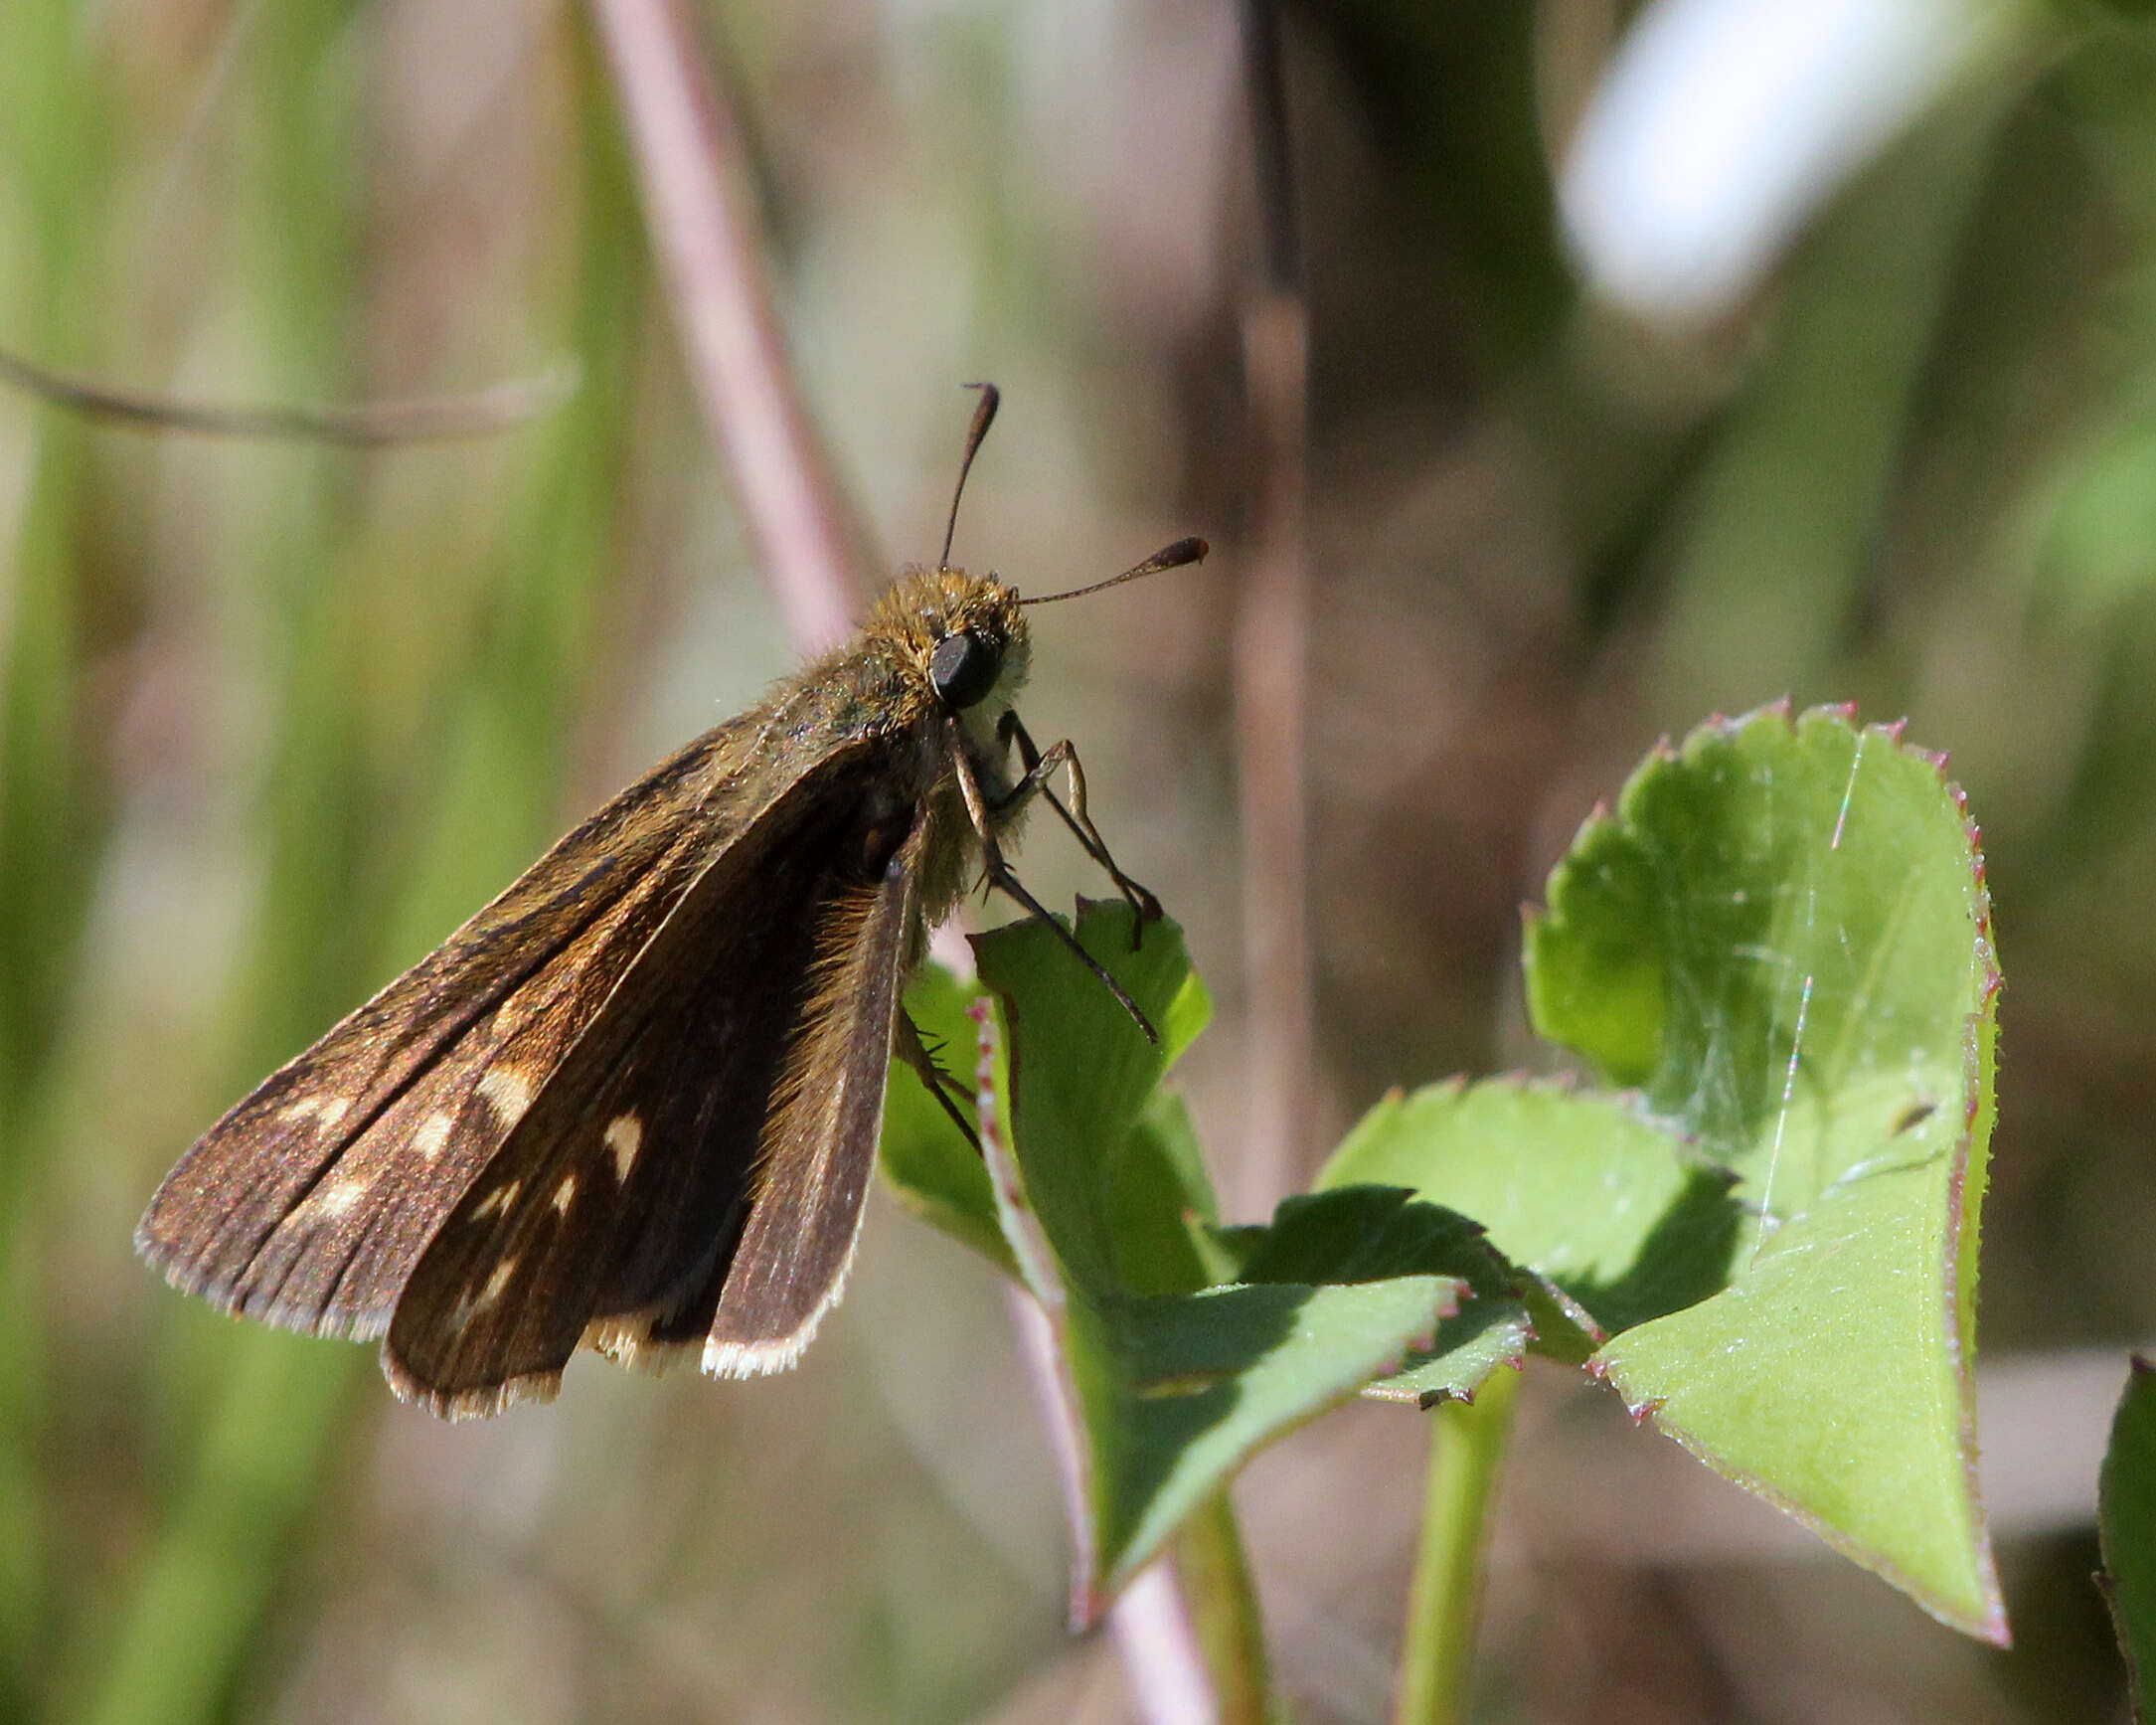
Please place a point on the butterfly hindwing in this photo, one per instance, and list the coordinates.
(819, 1145)
(609, 1215)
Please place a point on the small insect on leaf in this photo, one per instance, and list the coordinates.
(633, 1103)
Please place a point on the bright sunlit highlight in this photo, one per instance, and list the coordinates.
(1721, 123)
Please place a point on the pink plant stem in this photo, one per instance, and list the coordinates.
(690, 167)
(1270, 670)
(1169, 1682)
(692, 173)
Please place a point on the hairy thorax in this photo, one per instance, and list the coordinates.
(880, 691)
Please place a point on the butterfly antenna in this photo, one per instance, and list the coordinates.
(984, 415)
(1167, 557)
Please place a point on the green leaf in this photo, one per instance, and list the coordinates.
(1472, 1344)
(1083, 1072)
(1158, 1198)
(1181, 1391)
(927, 1163)
(1166, 1390)
(1783, 939)
(2126, 1527)
(1360, 1234)
(1153, 1178)
(1605, 1207)
(1356, 1234)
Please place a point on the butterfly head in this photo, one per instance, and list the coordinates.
(961, 636)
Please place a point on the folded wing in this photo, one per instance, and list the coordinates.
(309, 1204)
(721, 1115)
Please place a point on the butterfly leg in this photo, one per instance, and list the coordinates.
(1040, 769)
(911, 1046)
(998, 875)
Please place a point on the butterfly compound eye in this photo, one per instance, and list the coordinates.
(963, 668)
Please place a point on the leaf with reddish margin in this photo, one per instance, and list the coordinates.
(1783, 939)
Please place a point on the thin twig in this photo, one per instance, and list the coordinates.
(692, 171)
(1169, 1682)
(1272, 158)
(1270, 654)
(362, 425)
(690, 166)
(1163, 1659)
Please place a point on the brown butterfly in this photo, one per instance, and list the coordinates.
(633, 1103)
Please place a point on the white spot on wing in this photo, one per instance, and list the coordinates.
(507, 1091)
(564, 1195)
(625, 1136)
(498, 1200)
(328, 1109)
(339, 1197)
(432, 1135)
(497, 1281)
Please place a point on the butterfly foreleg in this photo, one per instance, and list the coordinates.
(1040, 767)
(997, 870)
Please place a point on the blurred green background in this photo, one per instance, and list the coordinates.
(273, 718)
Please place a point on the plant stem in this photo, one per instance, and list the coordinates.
(691, 165)
(1272, 653)
(1163, 1664)
(1446, 1600)
(1223, 1606)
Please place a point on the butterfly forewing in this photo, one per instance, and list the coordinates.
(609, 1215)
(309, 1202)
